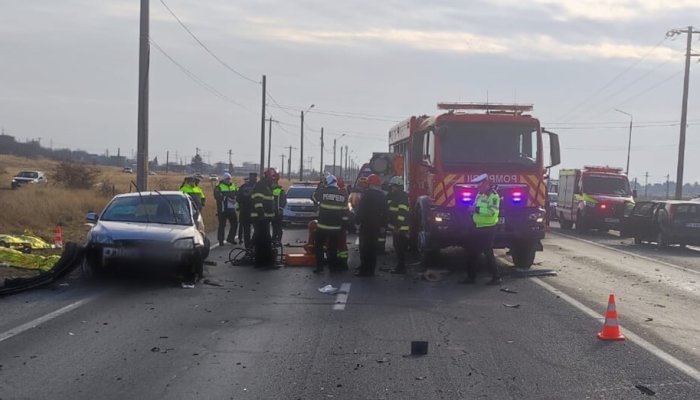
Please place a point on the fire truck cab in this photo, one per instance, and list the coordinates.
(442, 154)
(593, 198)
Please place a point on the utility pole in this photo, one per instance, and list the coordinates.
(262, 127)
(346, 162)
(684, 111)
(269, 141)
(144, 62)
(668, 185)
(320, 171)
(646, 184)
(340, 173)
(334, 141)
(311, 164)
(167, 161)
(282, 157)
(301, 150)
(230, 163)
(289, 163)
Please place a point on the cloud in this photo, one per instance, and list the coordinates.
(530, 46)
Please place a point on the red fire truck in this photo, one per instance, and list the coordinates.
(594, 197)
(442, 154)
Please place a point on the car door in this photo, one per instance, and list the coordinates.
(633, 225)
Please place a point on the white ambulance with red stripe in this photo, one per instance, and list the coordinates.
(443, 153)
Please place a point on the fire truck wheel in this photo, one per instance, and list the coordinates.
(523, 255)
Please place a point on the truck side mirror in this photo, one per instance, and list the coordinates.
(554, 151)
(91, 218)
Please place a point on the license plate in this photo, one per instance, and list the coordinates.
(693, 224)
(612, 220)
(501, 220)
(121, 252)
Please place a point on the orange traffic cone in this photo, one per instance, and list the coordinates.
(611, 329)
(58, 237)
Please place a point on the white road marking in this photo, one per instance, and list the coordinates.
(48, 317)
(342, 297)
(629, 253)
(660, 354)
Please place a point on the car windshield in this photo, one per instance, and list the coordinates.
(165, 209)
(615, 186)
(476, 143)
(28, 174)
(300, 192)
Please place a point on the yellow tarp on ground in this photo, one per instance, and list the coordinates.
(26, 240)
(18, 259)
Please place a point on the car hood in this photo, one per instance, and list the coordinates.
(143, 231)
(300, 202)
(18, 179)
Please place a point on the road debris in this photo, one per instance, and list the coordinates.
(505, 289)
(645, 390)
(434, 275)
(419, 348)
(420, 378)
(328, 289)
(211, 283)
(511, 305)
(649, 319)
(383, 360)
(155, 349)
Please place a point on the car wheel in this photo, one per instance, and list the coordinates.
(580, 224)
(88, 271)
(206, 248)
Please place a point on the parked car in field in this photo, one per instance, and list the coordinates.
(28, 177)
(128, 170)
(663, 222)
(157, 231)
(300, 207)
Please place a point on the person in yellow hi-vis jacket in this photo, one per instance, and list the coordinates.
(486, 213)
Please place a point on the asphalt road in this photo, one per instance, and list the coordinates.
(251, 334)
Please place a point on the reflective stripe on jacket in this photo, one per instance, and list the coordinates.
(399, 211)
(263, 201)
(487, 209)
(333, 208)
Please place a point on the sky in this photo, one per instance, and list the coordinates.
(69, 74)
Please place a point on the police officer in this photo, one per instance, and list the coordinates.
(280, 202)
(372, 218)
(225, 194)
(245, 208)
(486, 213)
(399, 213)
(332, 222)
(190, 188)
(262, 214)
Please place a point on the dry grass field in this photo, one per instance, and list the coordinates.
(39, 208)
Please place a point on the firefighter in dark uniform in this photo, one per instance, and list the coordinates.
(225, 194)
(245, 208)
(280, 202)
(262, 215)
(372, 218)
(332, 222)
(486, 213)
(399, 213)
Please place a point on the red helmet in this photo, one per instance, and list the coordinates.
(374, 180)
(341, 183)
(271, 174)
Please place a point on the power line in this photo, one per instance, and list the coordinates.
(613, 80)
(195, 78)
(227, 66)
(650, 88)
